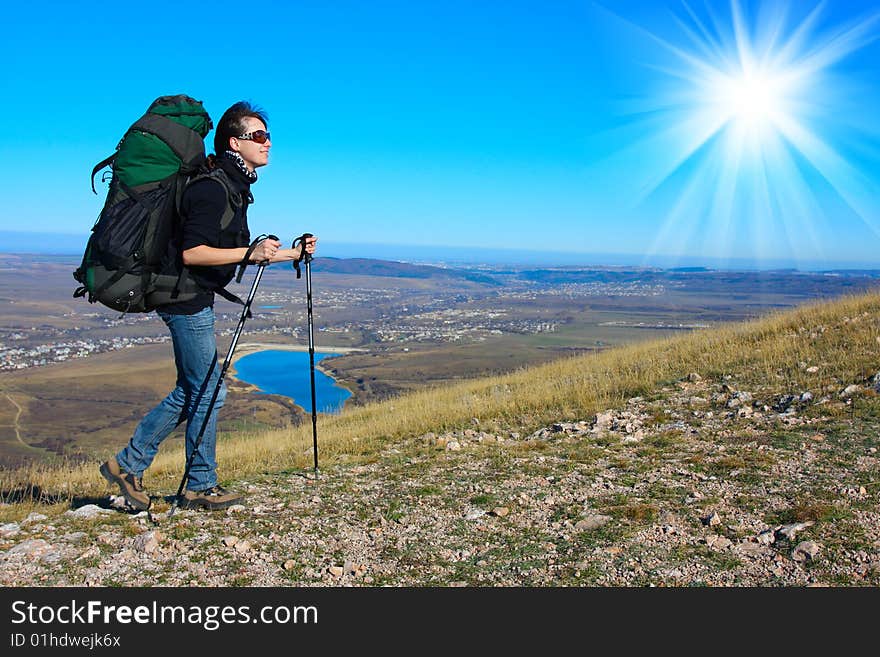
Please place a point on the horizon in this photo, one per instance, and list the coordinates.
(18, 243)
(735, 131)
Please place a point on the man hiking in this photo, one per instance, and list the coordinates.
(211, 253)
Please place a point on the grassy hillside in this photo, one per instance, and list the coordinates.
(682, 453)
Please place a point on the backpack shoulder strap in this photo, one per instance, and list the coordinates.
(233, 200)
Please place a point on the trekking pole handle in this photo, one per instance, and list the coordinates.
(268, 237)
(304, 256)
(247, 256)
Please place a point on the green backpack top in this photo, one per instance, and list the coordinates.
(167, 139)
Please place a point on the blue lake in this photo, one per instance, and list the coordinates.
(287, 373)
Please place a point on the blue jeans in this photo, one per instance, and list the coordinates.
(195, 354)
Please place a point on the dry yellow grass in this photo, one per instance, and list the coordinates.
(842, 335)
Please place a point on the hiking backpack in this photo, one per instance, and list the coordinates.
(132, 261)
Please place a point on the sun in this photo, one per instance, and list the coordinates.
(754, 100)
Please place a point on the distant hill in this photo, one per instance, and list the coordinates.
(394, 269)
(695, 279)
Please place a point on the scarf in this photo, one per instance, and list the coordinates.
(236, 159)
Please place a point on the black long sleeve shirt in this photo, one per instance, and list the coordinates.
(202, 207)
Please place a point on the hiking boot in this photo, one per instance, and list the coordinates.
(132, 487)
(212, 499)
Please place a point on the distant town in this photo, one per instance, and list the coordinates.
(425, 307)
(445, 317)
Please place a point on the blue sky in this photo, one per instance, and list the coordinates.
(718, 130)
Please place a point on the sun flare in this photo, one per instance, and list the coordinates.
(740, 155)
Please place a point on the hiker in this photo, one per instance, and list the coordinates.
(211, 254)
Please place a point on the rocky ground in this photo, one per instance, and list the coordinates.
(700, 484)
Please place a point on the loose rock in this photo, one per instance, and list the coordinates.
(33, 547)
(603, 421)
(87, 511)
(766, 537)
(591, 522)
(91, 552)
(9, 529)
(849, 391)
(788, 531)
(33, 517)
(148, 542)
(806, 551)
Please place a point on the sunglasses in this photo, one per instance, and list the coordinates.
(259, 136)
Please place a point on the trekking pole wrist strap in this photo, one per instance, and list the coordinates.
(247, 256)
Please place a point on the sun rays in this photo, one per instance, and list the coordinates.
(740, 158)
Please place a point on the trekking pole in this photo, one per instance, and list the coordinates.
(307, 258)
(245, 313)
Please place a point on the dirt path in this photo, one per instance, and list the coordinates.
(15, 424)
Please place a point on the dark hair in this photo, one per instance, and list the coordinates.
(232, 123)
